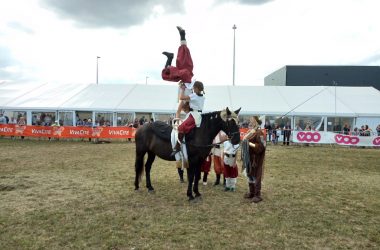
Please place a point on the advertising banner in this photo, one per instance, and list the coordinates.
(129, 132)
(67, 131)
(334, 138)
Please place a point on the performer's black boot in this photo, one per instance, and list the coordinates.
(205, 177)
(180, 173)
(182, 33)
(177, 147)
(170, 58)
(217, 181)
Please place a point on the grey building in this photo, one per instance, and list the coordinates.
(301, 75)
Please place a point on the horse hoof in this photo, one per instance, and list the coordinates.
(191, 198)
(151, 191)
(198, 197)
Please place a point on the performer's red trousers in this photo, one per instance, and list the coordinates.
(206, 165)
(184, 67)
(187, 125)
(230, 171)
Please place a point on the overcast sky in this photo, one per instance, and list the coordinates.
(58, 41)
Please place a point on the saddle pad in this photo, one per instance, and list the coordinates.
(162, 130)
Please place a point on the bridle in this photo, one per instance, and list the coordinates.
(230, 134)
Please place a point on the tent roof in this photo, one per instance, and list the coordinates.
(269, 100)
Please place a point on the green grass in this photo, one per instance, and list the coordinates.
(79, 195)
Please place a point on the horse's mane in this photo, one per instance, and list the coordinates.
(207, 117)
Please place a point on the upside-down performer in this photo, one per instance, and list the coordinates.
(183, 71)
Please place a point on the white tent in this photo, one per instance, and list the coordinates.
(339, 101)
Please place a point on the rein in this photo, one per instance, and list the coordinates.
(204, 146)
(212, 144)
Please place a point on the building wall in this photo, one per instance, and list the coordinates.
(356, 76)
(277, 78)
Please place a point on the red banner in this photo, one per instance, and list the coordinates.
(8, 130)
(67, 131)
(74, 132)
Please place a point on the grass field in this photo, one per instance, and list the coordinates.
(79, 195)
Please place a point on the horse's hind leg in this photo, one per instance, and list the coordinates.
(190, 179)
(148, 166)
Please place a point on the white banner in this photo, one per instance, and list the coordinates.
(334, 138)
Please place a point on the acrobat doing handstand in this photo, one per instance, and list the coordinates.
(191, 97)
(182, 72)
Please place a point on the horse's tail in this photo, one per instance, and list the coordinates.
(139, 162)
(139, 168)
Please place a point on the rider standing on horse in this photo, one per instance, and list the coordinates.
(183, 71)
(193, 118)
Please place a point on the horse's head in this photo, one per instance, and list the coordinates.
(230, 124)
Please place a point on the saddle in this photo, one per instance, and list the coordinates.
(162, 130)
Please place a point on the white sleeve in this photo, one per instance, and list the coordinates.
(193, 96)
(189, 85)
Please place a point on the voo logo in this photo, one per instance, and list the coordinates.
(376, 141)
(346, 139)
(308, 136)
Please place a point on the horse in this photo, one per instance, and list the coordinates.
(154, 139)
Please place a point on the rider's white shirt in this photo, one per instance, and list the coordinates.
(196, 101)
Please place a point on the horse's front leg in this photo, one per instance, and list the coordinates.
(196, 181)
(190, 179)
(148, 166)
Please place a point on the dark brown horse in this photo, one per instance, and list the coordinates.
(154, 139)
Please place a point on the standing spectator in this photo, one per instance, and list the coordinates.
(21, 122)
(361, 130)
(6, 118)
(268, 129)
(298, 127)
(42, 119)
(230, 167)
(55, 124)
(142, 121)
(279, 132)
(287, 132)
(346, 129)
(274, 134)
(136, 123)
(79, 122)
(13, 120)
(355, 132)
(367, 131)
(217, 156)
(3, 120)
(34, 120)
(378, 130)
(88, 123)
(308, 127)
(337, 128)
